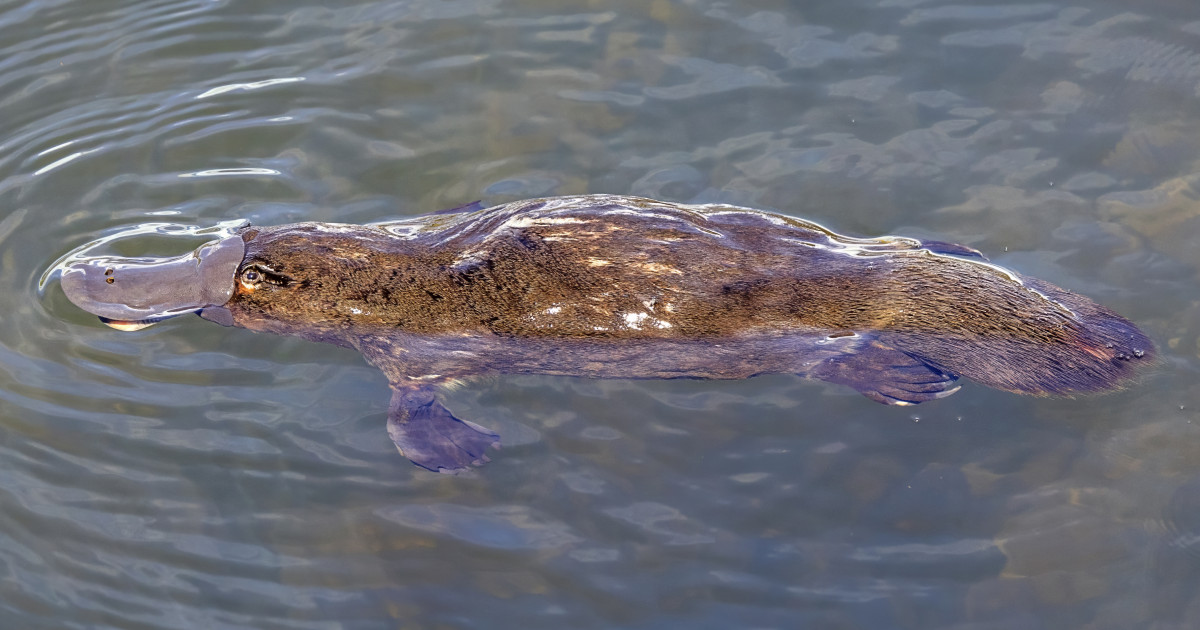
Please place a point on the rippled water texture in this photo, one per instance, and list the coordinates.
(192, 476)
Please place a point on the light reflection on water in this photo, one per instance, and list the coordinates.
(189, 475)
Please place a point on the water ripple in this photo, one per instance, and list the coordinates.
(194, 476)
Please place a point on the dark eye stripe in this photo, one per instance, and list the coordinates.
(258, 273)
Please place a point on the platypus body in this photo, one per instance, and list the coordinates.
(607, 286)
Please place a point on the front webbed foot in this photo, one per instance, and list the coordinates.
(887, 375)
(431, 437)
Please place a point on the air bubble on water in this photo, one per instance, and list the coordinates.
(916, 418)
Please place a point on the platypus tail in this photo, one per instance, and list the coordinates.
(1093, 350)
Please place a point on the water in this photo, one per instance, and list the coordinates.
(189, 476)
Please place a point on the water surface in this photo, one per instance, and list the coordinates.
(189, 476)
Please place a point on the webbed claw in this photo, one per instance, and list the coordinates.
(887, 375)
(431, 437)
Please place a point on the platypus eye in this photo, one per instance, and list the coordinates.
(254, 276)
(251, 277)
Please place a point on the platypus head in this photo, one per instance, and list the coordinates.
(303, 279)
(132, 293)
(316, 281)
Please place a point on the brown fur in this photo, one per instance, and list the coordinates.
(617, 269)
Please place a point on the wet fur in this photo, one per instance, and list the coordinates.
(588, 276)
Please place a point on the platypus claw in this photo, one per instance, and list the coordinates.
(431, 437)
(887, 375)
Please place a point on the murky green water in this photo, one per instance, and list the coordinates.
(192, 476)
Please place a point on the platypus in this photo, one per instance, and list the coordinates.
(607, 286)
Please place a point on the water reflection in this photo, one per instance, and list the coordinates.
(193, 476)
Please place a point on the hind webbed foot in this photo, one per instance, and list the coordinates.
(887, 375)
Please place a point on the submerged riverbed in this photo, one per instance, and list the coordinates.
(189, 475)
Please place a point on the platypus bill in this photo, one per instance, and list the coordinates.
(606, 286)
